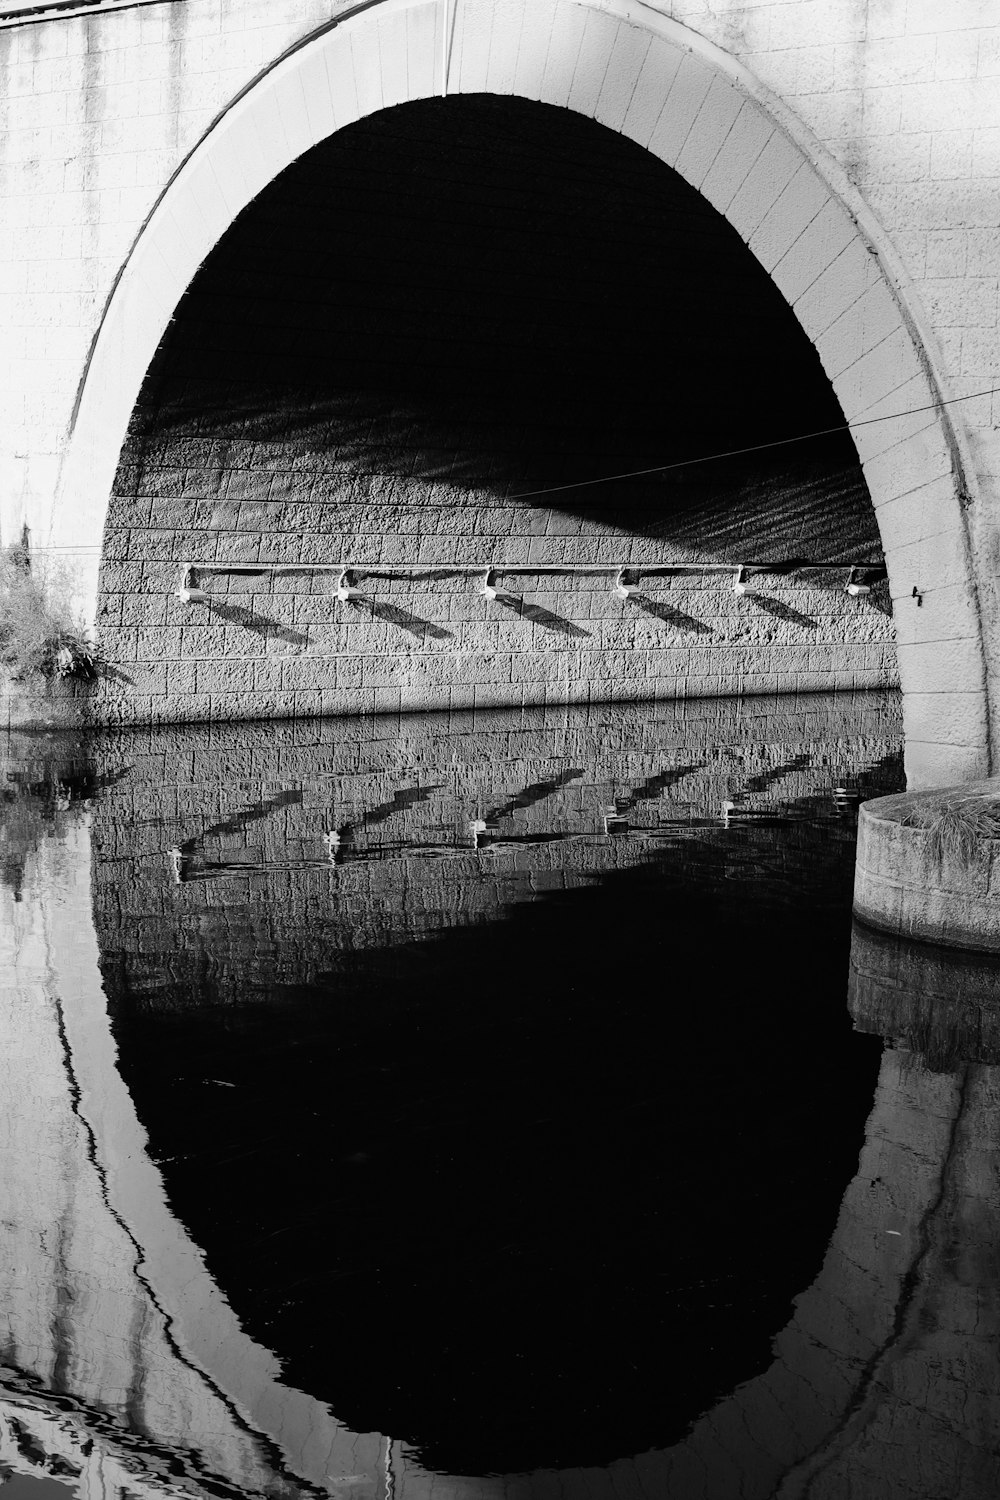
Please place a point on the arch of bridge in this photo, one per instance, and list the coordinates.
(682, 99)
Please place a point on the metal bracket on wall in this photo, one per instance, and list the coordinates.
(187, 591)
(623, 589)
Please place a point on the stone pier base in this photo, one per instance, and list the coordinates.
(928, 865)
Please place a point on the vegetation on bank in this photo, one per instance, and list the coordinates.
(40, 637)
(959, 825)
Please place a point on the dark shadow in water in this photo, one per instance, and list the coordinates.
(757, 784)
(781, 611)
(540, 616)
(541, 1192)
(652, 788)
(241, 820)
(250, 619)
(670, 616)
(410, 797)
(533, 794)
(394, 615)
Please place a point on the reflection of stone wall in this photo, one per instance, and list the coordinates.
(105, 1311)
(248, 810)
(884, 1383)
(943, 1003)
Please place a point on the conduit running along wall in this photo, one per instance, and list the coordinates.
(692, 105)
(444, 308)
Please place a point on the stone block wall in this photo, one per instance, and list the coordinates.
(283, 644)
(390, 365)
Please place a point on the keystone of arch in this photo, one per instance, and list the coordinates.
(677, 95)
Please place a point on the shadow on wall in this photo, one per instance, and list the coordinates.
(455, 303)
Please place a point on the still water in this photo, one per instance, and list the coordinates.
(487, 1106)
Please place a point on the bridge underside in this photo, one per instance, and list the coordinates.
(397, 359)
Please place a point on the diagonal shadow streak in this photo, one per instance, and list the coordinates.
(767, 779)
(652, 788)
(239, 821)
(393, 615)
(671, 616)
(540, 616)
(880, 599)
(260, 624)
(537, 792)
(782, 611)
(401, 802)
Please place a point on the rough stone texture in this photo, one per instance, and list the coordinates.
(374, 368)
(246, 806)
(101, 109)
(904, 885)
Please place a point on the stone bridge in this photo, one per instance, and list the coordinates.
(364, 299)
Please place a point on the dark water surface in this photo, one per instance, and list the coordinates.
(456, 1108)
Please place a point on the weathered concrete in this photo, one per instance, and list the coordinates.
(853, 150)
(907, 883)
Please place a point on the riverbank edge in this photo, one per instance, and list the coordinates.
(905, 885)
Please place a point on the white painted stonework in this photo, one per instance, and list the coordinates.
(854, 147)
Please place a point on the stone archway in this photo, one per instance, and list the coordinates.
(658, 84)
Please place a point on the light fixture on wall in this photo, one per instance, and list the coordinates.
(853, 587)
(343, 590)
(187, 591)
(489, 590)
(623, 589)
(740, 584)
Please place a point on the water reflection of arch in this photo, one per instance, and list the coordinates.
(123, 1362)
(896, 1333)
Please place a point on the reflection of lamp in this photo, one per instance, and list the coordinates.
(740, 586)
(176, 865)
(853, 587)
(846, 799)
(489, 584)
(615, 822)
(483, 833)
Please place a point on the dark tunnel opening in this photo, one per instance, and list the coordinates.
(459, 302)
